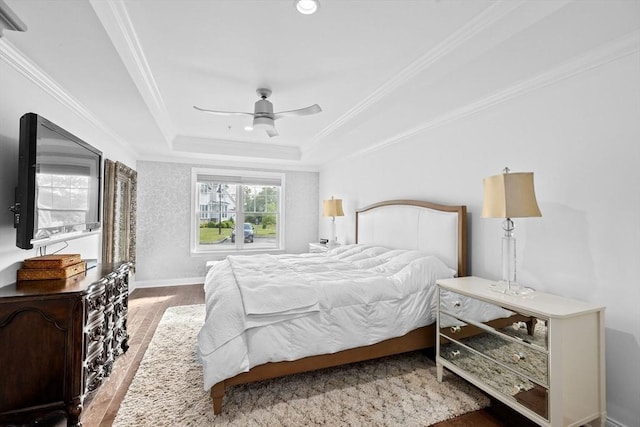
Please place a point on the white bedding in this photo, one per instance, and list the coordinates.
(351, 296)
(260, 277)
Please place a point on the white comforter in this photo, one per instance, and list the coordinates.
(272, 308)
(263, 280)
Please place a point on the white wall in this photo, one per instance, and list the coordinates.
(164, 220)
(581, 138)
(21, 94)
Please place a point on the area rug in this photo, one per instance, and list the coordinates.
(398, 390)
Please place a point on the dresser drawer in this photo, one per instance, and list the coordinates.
(94, 336)
(518, 354)
(93, 381)
(122, 282)
(94, 302)
(93, 371)
(510, 383)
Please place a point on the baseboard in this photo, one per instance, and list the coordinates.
(612, 423)
(166, 282)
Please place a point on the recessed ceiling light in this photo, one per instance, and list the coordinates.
(306, 7)
(248, 128)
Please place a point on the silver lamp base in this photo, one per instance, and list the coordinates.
(511, 288)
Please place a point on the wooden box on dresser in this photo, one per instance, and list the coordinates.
(550, 369)
(59, 340)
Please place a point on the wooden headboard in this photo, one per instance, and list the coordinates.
(412, 224)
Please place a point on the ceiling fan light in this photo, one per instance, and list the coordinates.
(262, 123)
(307, 7)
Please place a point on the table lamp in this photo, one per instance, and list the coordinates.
(332, 208)
(509, 195)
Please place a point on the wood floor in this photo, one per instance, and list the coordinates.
(146, 306)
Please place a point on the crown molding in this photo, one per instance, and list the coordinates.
(229, 162)
(620, 48)
(117, 23)
(24, 66)
(479, 23)
(235, 148)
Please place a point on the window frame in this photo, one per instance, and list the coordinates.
(245, 177)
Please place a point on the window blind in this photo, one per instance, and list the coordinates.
(246, 180)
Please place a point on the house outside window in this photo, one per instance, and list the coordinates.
(231, 203)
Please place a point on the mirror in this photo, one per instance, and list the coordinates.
(119, 224)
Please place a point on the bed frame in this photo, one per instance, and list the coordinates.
(406, 224)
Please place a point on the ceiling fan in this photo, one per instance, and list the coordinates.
(263, 115)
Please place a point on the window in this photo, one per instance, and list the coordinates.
(231, 203)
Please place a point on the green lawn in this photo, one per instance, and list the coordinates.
(211, 235)
(264, 232)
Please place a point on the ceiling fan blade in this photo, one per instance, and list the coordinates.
(313, 109)
(272, 132)
(223, 113)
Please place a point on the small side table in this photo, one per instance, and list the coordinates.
(554, 379)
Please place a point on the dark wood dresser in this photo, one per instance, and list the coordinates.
(59, 340)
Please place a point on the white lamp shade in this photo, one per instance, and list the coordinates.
(332, 207)
(510, 195)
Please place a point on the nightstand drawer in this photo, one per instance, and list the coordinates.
(516, 353)
(463, 307)
(510, 384)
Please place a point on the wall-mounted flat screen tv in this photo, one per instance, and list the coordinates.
(59, 180)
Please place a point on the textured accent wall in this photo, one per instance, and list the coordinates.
(164, 198)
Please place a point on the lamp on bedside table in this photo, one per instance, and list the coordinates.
(509, 195)
(332, 208)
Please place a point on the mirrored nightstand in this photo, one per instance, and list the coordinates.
(551, 371)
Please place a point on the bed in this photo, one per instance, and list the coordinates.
(339, 308)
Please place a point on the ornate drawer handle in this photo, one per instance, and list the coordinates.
(95, 383)
(455, 329)
(94, 365)
(96, 334)
(519, 325)
(455, 353)
(96, 303)
(518, 357)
